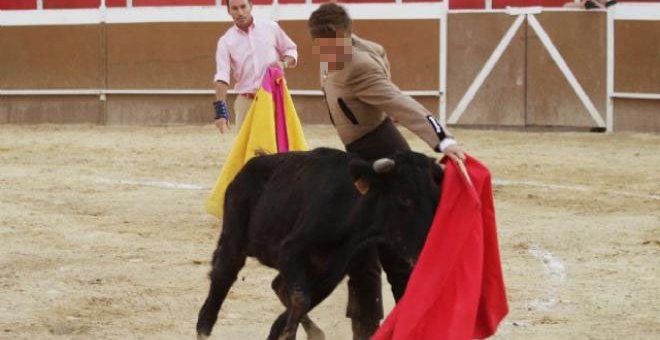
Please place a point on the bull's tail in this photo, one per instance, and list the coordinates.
(261, 152)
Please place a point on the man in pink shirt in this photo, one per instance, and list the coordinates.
(247, 49)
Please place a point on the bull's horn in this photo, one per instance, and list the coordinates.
(383, 165)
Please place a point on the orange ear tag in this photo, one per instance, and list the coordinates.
(362, 186)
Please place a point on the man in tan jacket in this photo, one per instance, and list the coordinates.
(361, 99)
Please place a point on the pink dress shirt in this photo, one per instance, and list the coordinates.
(248, 54)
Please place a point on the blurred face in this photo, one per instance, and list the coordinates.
(333, 51)
(241, 12)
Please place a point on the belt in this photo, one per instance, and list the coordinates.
(248, 95)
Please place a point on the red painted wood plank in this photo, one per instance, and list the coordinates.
(16, 4)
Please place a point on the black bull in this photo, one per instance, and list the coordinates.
(306, 213)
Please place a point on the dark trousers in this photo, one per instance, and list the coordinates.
(383, 141)
(364, 283)
(365, 305)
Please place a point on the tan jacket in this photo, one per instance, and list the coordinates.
(361, 96)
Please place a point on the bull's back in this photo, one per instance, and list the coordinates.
(285, 193)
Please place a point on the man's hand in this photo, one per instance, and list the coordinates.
(455, 153)
(289, 61)
(279, 64)
(285, 62)
(222, 124)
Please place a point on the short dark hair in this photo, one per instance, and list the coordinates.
(227, 3)
(329, 21)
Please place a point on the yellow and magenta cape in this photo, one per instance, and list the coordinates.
(271, 125)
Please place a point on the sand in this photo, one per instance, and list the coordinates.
(104, 236)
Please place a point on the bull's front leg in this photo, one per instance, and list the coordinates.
(285, 326)
(299, 307)
(298, 301)
(303, 303)
(292, 266)
(313, 331)
(365, 307)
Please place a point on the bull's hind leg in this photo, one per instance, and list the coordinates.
(278, 326)
(312, 330)
(228, 259)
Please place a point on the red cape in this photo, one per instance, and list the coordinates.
(456, 290)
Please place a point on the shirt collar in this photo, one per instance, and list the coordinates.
(250, 29)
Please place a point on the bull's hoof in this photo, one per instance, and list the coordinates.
(202, 337)
(287, 335)
(311, 329)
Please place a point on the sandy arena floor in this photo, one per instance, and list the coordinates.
(104, 236)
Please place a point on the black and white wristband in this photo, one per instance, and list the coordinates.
(445, 139)
(447, 142)
(221, 110)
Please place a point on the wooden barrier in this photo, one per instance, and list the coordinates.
(501, 98)
(129, 63)
(580, 39)
(635, 70)
(523, 68)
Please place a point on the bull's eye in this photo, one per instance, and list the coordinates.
(405, 201)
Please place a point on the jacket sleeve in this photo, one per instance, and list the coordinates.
(370, 83)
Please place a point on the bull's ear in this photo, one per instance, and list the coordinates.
(362, 174)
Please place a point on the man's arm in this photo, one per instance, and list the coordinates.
(221, 89)
(286, 48)
(222, 61)
(371, 84)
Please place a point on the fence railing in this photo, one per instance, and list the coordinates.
(301, 11)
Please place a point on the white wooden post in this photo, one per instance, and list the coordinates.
(610, 72)
(443, 35)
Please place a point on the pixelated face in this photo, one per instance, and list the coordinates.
(334, 51)
(240, 11)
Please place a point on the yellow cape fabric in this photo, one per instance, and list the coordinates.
(256, 134)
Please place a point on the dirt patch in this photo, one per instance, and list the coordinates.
(104, 234)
